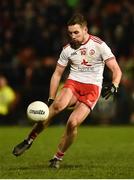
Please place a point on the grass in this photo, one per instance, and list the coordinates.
(98, 153)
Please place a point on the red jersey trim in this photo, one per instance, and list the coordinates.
(109, 59)
(96, 39)
(87, 40)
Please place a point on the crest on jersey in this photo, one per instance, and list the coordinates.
(91, 52)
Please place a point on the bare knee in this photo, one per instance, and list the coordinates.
(72, 127)
(58, 106)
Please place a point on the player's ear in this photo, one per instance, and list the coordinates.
(85, 28)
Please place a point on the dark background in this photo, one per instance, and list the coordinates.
(32, 34)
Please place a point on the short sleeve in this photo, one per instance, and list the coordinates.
(63, 59)
(106, 52)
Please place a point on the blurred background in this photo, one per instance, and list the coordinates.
(32, 34)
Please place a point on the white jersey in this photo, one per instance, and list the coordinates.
(87, 62)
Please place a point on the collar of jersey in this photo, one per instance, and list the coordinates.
(86, 40)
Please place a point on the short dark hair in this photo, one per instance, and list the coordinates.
(77, 19)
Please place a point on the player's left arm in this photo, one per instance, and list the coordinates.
(112, 88)
(112, 64)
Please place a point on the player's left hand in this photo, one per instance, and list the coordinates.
(108, 90)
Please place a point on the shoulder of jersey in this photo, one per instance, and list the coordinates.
(96, 39)
(67, 45)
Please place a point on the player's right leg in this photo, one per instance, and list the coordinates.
(60, 103)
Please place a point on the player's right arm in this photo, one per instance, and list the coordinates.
(55, 80)
(56, 77)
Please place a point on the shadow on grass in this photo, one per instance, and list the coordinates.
(46, 166)
(71, 166)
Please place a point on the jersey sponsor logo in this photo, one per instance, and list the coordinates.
(85, 69)
(85, 62)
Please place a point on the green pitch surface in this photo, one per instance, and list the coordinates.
(98, 152)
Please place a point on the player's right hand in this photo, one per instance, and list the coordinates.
(50, 101)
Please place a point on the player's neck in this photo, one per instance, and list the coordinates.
(86, 38)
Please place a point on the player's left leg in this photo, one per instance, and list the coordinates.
(60, 103)
(76, 118)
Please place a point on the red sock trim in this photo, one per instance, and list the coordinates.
(32, 135)
(59, 154)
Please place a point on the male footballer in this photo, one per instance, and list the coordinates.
(88, 56)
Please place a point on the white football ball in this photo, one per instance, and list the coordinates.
(37, 111)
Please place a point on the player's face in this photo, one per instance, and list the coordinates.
(77, 33)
